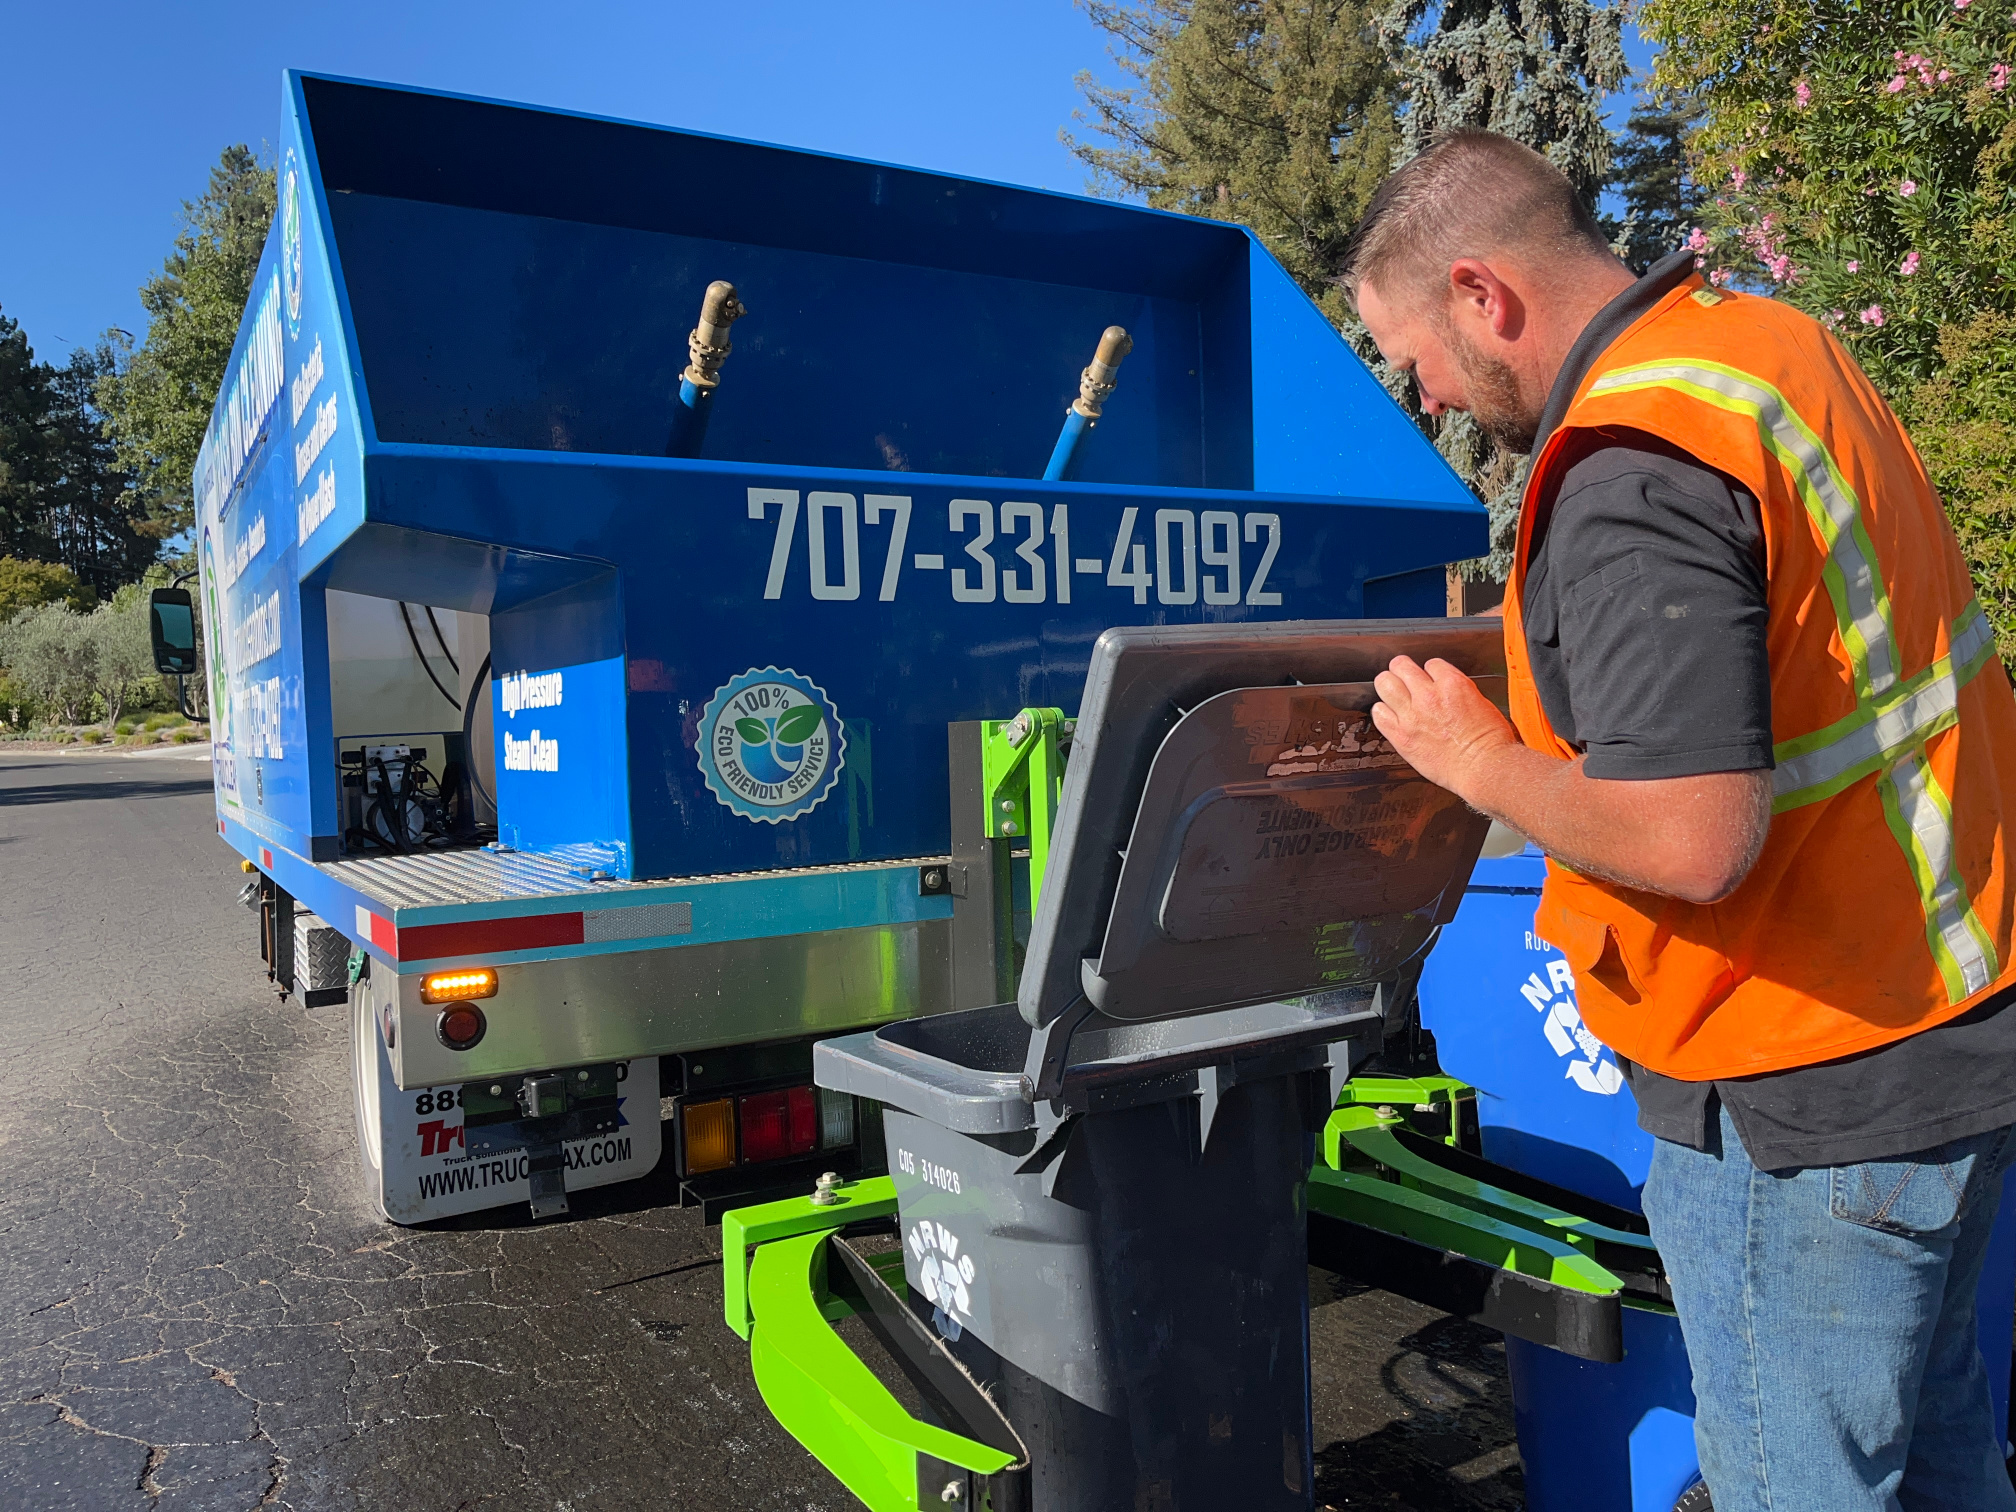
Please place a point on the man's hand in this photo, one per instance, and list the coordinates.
(1694, 838)
(1437, 719)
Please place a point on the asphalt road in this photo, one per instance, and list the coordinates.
(198, 1312)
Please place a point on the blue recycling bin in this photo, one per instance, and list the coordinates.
(1552, 1103)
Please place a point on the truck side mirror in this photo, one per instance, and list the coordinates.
(171, 623)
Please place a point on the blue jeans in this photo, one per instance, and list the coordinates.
(1830, 1322)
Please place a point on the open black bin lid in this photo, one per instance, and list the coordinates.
(1232, 829)
(1237, 857)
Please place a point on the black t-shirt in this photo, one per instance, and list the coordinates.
(1646, 615)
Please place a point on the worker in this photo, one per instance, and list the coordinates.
(1760, 730)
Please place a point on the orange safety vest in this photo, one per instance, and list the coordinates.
(1881, 904)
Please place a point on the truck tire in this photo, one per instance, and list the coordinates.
(365, 1051)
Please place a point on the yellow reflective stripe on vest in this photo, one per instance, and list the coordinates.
(1892, 721)
(1921, 817)
(1861, 606)
(1820, 765)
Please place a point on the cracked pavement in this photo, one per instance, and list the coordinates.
(198, 1313)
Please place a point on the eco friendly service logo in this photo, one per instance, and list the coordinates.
(771, 745)
(290, 241)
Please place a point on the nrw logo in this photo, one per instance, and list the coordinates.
(1594, 1069)
(946, 1274)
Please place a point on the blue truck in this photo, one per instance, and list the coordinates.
(588, 704)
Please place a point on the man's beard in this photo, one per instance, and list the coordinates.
(1495, 402)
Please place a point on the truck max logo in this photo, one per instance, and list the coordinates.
(771, 745)
(1593, 1069)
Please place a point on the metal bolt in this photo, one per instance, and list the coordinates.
(496, 1089)
(934, 878)
(1007, 805)
(580, 1076)
(952, 1492)
(698, 1069)
(1008, 826)
(825, 1191)
(1385, 1110)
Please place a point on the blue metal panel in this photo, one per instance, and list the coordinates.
(499, 298)
(1321, 422)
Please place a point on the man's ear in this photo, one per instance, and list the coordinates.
(1479, 294)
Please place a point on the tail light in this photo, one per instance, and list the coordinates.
(707, 1135)
(778, 1124)
(461, 1027)
(836, 1119)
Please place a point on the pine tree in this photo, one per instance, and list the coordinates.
(95, 521)
(158, 402)
(1276, 114)
(1285, 115)
(1536, 72)
(1661, 201)
(24, 443)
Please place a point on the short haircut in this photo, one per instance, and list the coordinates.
(1471, 194)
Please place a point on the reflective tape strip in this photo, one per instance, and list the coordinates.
(1861, 606)
(1820, 765)
(1922, 820)
(1891, 723)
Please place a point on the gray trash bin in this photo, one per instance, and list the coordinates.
(1101, 1184)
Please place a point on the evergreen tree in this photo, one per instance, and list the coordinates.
(158, 403)
(95, 522)
(1533, 71)
(1661, 201)
(1277, 114)
(1285, 115)
(24, 443)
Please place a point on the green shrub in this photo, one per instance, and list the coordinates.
(188, 735)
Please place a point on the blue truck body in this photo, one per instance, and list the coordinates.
(452, 392)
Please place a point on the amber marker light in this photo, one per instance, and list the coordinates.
(708, 1131)
(458, 986)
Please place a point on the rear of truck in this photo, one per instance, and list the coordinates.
(598, 784)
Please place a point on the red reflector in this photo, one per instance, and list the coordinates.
(766, 1126)
(461, 1026)
(779, 1124)
(804, 1120)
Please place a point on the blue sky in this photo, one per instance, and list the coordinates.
(113, 112)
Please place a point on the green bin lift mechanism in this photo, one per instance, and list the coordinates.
(1387, 1204)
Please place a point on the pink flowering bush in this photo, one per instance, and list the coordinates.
(1860, 158)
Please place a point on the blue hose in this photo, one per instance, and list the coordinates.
(689, 419)
(1075, 427)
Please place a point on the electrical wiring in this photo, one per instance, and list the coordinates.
(442, 640)
(425, 666)
(469, 725)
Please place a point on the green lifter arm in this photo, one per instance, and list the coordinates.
(802, 1278)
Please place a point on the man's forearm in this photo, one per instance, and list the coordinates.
(1687, 837)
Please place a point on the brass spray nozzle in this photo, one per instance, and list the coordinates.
(1097, 382)
(708, 346)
